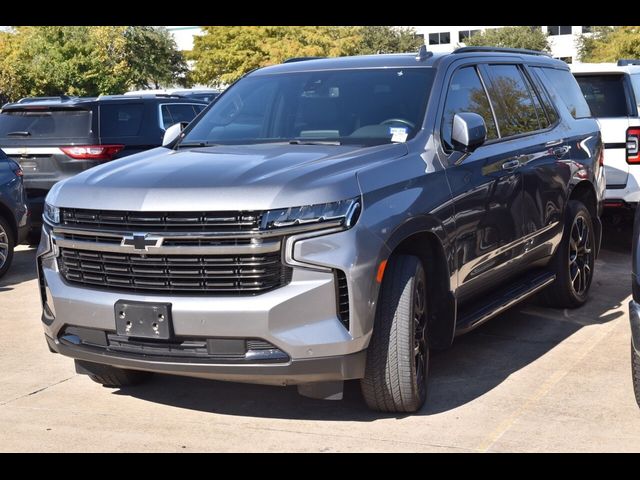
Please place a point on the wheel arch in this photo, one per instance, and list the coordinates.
(426, 241)
(585, 192)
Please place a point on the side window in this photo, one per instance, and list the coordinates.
(543, 97)
(174, 113)
(566, 86)
(515, 110)
(120, 120)
(466, 94)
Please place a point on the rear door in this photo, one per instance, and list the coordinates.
(129, 124)
(609, 97)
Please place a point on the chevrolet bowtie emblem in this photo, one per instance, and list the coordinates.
(141, 241)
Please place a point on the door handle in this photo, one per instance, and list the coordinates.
(560, 152)
(511, 165)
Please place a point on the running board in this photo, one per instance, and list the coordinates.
(501, 300)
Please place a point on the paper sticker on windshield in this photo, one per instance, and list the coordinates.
(398, 134)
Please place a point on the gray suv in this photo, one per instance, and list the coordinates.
(330, 219)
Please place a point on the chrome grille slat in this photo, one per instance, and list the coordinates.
(161, 221)
(240, 274)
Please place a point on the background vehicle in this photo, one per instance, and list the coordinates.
(203, 94)
(14, 220)
(327, 220)
(53, 138)
(613, 94)
(634, 308)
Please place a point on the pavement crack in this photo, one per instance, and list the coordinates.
(29, 394)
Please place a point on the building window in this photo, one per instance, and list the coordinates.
(441, 38)
(464, 34)
(586, 29)
(562, 30)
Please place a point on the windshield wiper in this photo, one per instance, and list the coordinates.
(19, 134)
(315, 142)
(196, 145)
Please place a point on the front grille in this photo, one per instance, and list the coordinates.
(225, 274)
(161, 221)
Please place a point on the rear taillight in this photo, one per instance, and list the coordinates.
(633, 141)
(92, 152)
(17, 169)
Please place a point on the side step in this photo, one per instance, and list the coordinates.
(499, 301)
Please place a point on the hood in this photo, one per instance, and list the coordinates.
(249, 177)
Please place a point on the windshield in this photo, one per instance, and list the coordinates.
(346, 106)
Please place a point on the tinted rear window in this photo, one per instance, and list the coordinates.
(565, 85)
(516, 110)
(121, 120)
(605, 94)
(24, 124)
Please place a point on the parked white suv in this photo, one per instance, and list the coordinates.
(613, 94)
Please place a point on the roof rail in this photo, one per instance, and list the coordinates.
(301, 59)
(501, 50)
(40, 99)
(628, 61)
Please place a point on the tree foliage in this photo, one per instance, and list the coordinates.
(512, 37)
(224, 54)
(379, 39)
(609, 44)
(83, 60)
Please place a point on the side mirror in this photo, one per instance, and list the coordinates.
(469, 131)
(172, 133)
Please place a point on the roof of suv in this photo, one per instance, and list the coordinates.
(604, 68)
(65, 101)
(402, 60)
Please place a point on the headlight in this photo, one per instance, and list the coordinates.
(344, 213)
(51, 213)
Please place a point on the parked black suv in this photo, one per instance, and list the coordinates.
(53, 138)
(14, 219)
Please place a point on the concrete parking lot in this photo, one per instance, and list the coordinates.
(533, 379)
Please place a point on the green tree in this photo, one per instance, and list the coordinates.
(379, 39)
(83, 60)
(609, 44)
(225, 53)
(532, 38)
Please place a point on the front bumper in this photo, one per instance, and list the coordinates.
(634, 319)
(300, 318)
(294, 372)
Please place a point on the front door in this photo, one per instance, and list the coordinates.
(487, 193)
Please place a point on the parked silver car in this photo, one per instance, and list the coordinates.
(327, 220)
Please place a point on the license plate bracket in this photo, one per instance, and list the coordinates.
(144, 319)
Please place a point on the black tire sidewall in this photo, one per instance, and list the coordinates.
(563, 292)
(11, 242)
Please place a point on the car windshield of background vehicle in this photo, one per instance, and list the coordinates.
(25, 124)
(365, 107)
(604, 94)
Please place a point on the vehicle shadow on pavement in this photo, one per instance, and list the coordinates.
(23, 269)
(474, 365)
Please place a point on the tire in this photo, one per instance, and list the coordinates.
(574, 260)
(395, 377)
(7, 243)
(635, 373)
(112, 377)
